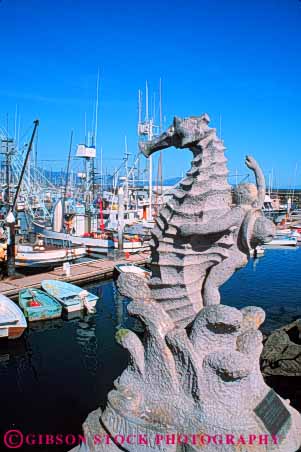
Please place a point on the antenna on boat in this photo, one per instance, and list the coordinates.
(149, 124)
(154, 107)
(16, 118)
(67, 180)
(160, 105)
(160, 130)
(139, 108)
(159, 169)
(295, 179)
(148, 129)
(101, 180)
(126, 156)
(18, 133)
(96, 110)
(146, 100)
(95, 135)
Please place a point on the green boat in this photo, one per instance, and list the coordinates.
(38, 305)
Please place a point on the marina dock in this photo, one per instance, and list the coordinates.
(82, 273)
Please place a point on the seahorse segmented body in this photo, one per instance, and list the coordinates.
(180, 265)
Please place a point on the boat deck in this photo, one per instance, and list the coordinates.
(82, 273)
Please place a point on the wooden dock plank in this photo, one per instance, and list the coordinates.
(82, 273)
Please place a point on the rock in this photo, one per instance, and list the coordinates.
(282, 351)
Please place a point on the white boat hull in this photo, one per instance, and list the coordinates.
(93, 245)
(291, 241)
(12, 319)
(48, 257)
(284, 232)
(79, 307)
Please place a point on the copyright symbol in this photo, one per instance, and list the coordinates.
(13, 439)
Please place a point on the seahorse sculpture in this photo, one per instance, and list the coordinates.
(186, 384)
(199, 239)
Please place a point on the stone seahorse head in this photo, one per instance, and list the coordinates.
(182, 133)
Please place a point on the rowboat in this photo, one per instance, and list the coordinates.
(12, 320)
(71, 297)
(38, 305)
(132, 268)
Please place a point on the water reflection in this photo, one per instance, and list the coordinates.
(123, 319)
(62, 369)
(86, 338)
(255, 262)
(9, 350)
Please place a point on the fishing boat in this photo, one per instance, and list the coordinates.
(295, 215)
(38, 305)
(131, 268)
(296, 231)
(95, 242)
(280, 240)
(12, 320)
(283, 232)
(41, 255)
(71, 297)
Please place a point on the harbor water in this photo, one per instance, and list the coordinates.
(60, 370)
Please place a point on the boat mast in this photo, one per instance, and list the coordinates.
(95, 135)
(36, 124)
(150, 169)
(126, 157)
(67, 180)
(149, 129)
(8, 142)
(160, 131)
(139, 122)
(96, 111)
(10, 219)
(101, 170)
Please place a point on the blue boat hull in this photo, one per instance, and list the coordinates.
(72, 298)
(49, 308)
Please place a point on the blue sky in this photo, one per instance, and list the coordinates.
(237, 59)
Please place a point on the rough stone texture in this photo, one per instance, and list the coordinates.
(204, 379)
(207, 381)
(199, 240)
(282, 351)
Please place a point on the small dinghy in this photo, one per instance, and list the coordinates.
(12, 320)
(132, 268)
(38, 305)
(72, 297)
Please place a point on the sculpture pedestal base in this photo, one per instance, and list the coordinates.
(146, 439)
(186, 392)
